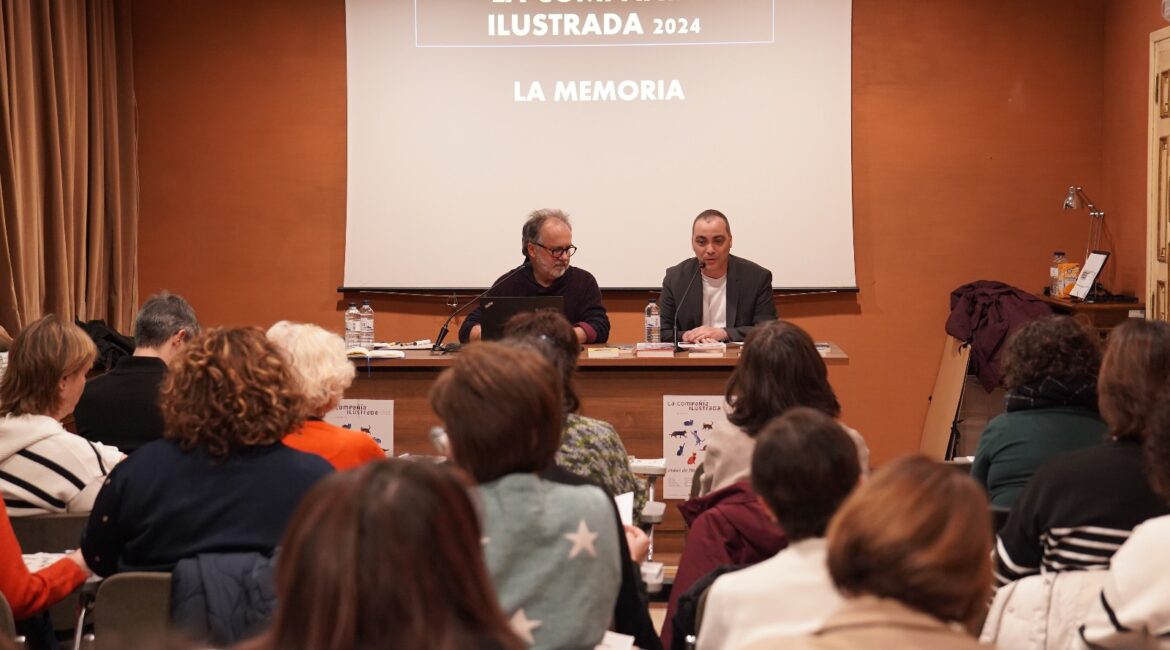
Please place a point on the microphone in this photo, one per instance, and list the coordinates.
(438, 346)
(678, 307)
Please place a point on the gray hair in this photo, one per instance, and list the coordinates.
(161, 317)
(531, 230)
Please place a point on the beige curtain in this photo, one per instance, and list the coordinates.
(68, 162)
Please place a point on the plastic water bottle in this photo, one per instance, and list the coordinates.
(653, 322)
(1056, 282)
(353, 327)
(367, 314)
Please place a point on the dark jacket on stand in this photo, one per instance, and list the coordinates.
(983, 314)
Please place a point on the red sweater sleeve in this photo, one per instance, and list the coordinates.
(29, 593)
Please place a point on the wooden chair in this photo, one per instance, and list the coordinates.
(53, 534)
(131, 610)
(50, 533)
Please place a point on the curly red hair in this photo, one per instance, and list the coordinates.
(230, 388)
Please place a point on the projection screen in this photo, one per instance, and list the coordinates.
(632, 116)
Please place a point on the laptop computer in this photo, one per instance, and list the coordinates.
(498, 309)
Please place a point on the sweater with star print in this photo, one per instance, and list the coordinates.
(554, 556)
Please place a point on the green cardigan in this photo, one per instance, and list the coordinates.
(1014, 444)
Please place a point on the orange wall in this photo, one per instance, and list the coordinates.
(969, 121)
(1128, 24)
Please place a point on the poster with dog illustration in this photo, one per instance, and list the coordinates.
(373, 417)
(687, 424)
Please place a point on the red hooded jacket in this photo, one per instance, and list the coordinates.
(727, 526)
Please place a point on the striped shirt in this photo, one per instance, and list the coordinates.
(45, 469)
(1077, 510)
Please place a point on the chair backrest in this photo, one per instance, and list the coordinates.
(132, 610)
(50, 533)
(7, 623)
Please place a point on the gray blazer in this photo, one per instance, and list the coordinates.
(749, 297)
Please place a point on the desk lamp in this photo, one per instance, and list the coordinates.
(1077, 199)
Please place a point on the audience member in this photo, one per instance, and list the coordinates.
(803, 467)
(1081, 506)
(554, 551)
(30, 593)
(120, 407)
(1050, 369)
(778, 369)
(43, 467)
(386, 556)
(590, 448)
(219, 480)
(1133, 610)
(910, 551)
(322, 372)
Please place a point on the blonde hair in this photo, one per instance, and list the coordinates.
(920, 533)
(43, 354)
(318, 361)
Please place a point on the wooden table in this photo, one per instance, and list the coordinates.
(626, 392)
(1102, 315)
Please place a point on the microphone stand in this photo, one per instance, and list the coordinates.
(682, 298)
(438, 346)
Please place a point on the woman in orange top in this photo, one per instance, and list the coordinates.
(30, 593)
(323, 373)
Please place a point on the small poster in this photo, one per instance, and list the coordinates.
(374, 417)
(687, 422)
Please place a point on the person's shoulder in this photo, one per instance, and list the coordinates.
(683, 268)
(581, 277)
(297, 461)
(746, 266)
(1072, 467)
(585, 424)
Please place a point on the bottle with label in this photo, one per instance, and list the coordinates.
(653, 322)
(353, 327)
(1055, 281)
(367, 314)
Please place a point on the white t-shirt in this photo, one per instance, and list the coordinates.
(789, 594)
(715, 301)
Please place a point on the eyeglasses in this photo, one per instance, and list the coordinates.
(568, 251)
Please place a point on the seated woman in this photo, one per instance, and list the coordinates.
(43, 467)
(322, 372)
(1050, 370)
(554, 551)
(803, 468)
(31, 593)
(910, 552)
(1080, 506)
(778, 369)
(219, 480)
(589, 447)
(386, 556)
(1133, 610)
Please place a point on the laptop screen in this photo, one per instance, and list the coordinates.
(498, 309)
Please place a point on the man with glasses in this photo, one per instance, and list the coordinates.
(733, 296)
(547, 244)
